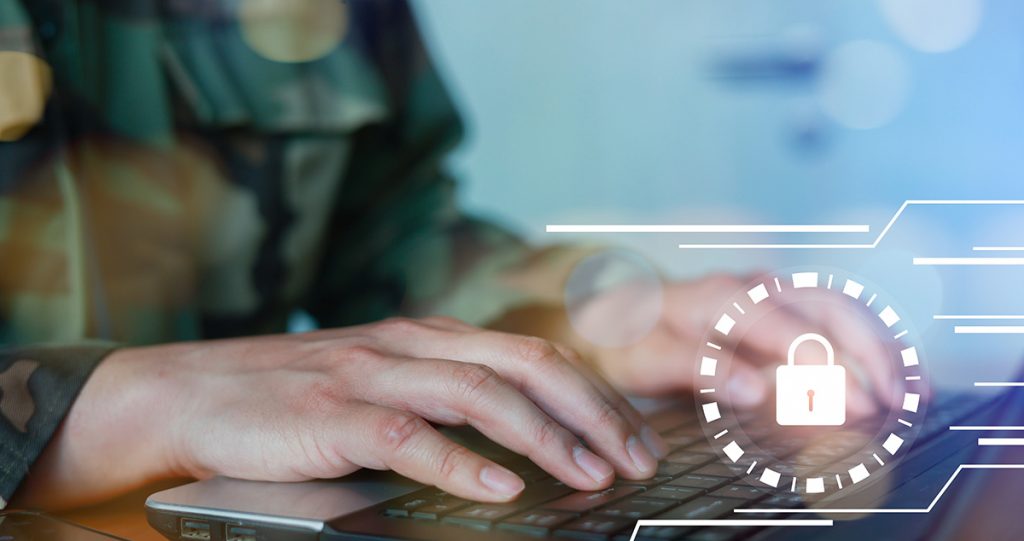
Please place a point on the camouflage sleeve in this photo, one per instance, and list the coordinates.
(400, 244)
(37, 387)
(37, 384)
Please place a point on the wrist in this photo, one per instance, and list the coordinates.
(110, 440)
(132, 397)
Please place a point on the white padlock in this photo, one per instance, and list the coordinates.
(810, 395)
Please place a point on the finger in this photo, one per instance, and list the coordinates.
(542, 374)
(650, 438)
(634, 417)
(769, 343)
(395, 330)
(450, 324)
(852, 328)
(859, 399)
(453, 392)
(690, 306)
(385, 438)
(663, 362)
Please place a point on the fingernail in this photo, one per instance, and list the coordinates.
(654, 443)
(597, 469)
(501, 481)
(745, 389)
(642, 459)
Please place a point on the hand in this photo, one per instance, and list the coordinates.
(324, 404)
(664, 359)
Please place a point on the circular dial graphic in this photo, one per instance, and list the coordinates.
(806, 440)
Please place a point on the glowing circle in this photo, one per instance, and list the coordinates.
(819, 461)
(933, 26)
(292, 30)
(25, 84)
(614, 298)
(863, 85)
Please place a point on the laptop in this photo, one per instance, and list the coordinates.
(692, 483)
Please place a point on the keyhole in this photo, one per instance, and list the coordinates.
(810, 400)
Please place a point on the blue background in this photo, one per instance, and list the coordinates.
(679, 111)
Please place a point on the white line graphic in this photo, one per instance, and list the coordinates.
(877, 240)
(986, 428)
(969, 261)
(999, 383)
(988, 329)
(946, 316)
(732, 522)
(769, 523)
(893, 510)
(1000, 441)
(706, 228)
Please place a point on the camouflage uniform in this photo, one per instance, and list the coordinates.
(162, 180)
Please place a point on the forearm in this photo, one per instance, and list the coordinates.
(112, 438)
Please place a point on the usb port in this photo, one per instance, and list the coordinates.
(195, 529)
(239, 533)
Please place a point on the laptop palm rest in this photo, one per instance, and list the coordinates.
(301, 506)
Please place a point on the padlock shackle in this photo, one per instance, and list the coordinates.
(830, 354)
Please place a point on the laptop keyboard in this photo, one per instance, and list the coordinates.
(691, 483)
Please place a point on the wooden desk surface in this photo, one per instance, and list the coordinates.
(125, 516)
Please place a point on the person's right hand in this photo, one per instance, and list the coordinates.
(326, 403)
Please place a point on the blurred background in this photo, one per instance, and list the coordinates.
(795, 111)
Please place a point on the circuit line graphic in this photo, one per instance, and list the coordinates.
(816, 522)
(755, 228)
(928, 509)
(866, 246)
(962, 329)
(707, 228)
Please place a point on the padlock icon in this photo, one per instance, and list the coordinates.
(810, 395)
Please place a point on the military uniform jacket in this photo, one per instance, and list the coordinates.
(186, 169)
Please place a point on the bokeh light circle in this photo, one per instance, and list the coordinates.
(933, 26)
(614, 298)
(292, 30)
(863, 85)
(25, 84)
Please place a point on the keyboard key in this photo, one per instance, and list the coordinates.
(482, 515)
(672, 469)
(721, 533)
(637, 508)
(531, 473)
(581, 502)
(699, 481)
(439, 508)
(485, 515)
(539, 522)
(743, 492)
(783, 500)
(645, 483)
(405, 506)
(703, 508)
(689, 457)
(660, 533)
(681, 439)
(701, 447)
(674, 492)
(722, 470)
(593, 528)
